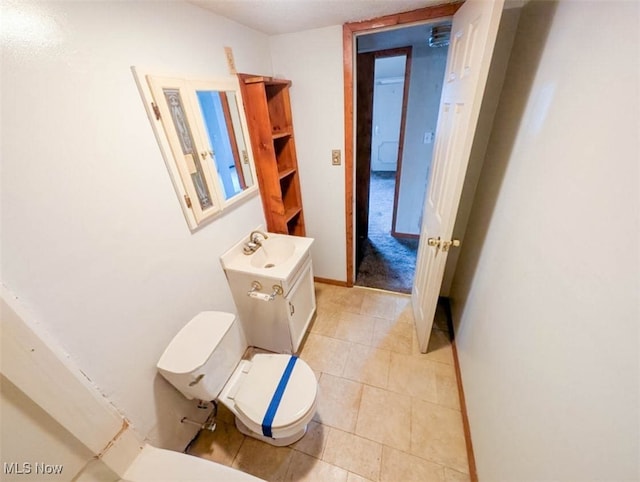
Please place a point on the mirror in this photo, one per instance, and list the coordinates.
(227, 146)
(203, 135)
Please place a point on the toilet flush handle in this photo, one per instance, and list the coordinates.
(197, 380)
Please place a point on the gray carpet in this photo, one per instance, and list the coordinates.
(388, 263)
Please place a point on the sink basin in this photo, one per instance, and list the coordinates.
(273, 252)
(278, 258)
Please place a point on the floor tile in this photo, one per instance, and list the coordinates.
(413, 375)
(368, 365)
(439, 348)
(356, 478)
(447, 387)
(354, 454)
(313, 441)
(263, 460)
(326, 319)
(221, 445)
(385, 417)
(338, 402)
(406, 314)
(349, 299)
(451, 475)
(437, 435)
(393, 336)
(397, 465)
(326, 292)
(306, 468)
(355, 328)
(382, 305)
(225, 415)
(325, 354)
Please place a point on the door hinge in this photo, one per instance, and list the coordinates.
(187, 200)
(156, 110)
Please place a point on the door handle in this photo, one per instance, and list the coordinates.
(445, 245)
(435, 242)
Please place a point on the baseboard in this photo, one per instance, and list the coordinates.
(473, 472)
(330, 281)
(396, 234)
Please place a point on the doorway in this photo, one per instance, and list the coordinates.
(383, 84)
(398, 83)
(351, 33)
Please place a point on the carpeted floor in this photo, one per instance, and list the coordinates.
(388, 263)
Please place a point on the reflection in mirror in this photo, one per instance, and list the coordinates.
(227, 146)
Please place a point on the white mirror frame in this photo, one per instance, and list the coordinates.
(230, 83)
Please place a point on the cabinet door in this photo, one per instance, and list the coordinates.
(301, 303)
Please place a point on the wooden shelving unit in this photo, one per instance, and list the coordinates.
(268, 110)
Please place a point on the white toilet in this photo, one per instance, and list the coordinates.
(272, 396)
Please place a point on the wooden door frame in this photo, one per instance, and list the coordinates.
(403, 121)
(232, 138)
(349, 32)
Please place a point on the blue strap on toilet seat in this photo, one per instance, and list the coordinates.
(277, 397)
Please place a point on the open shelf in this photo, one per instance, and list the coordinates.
(280, 134)
(286, 173)
(290, 213)
(268, 109)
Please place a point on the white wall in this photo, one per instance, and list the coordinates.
(313, 61)
(545, 297)
(93, 239)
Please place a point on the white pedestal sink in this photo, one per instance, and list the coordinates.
(273, 290)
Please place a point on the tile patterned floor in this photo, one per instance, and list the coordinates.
(386, 412)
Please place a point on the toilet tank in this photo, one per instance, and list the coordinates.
(202, 356)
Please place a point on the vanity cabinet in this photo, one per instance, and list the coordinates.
(268, 112)
(277, 325)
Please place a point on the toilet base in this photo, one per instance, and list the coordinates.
(278, 442)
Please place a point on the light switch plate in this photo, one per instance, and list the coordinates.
(336, 157)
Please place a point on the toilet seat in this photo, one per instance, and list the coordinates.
(258, 385)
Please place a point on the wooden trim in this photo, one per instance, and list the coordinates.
(412, 16)
(396, 234)
(364, 86)
(403, 122)
(348, 60)
(349, 30)
(329, 281)
(232, 139)
(473, 471)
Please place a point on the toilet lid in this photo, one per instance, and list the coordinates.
(257, 390)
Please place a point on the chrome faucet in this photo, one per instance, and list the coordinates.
(254, 242)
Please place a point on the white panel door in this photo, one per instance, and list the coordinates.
(473, 36)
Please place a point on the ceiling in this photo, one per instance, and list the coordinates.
(274, 17)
